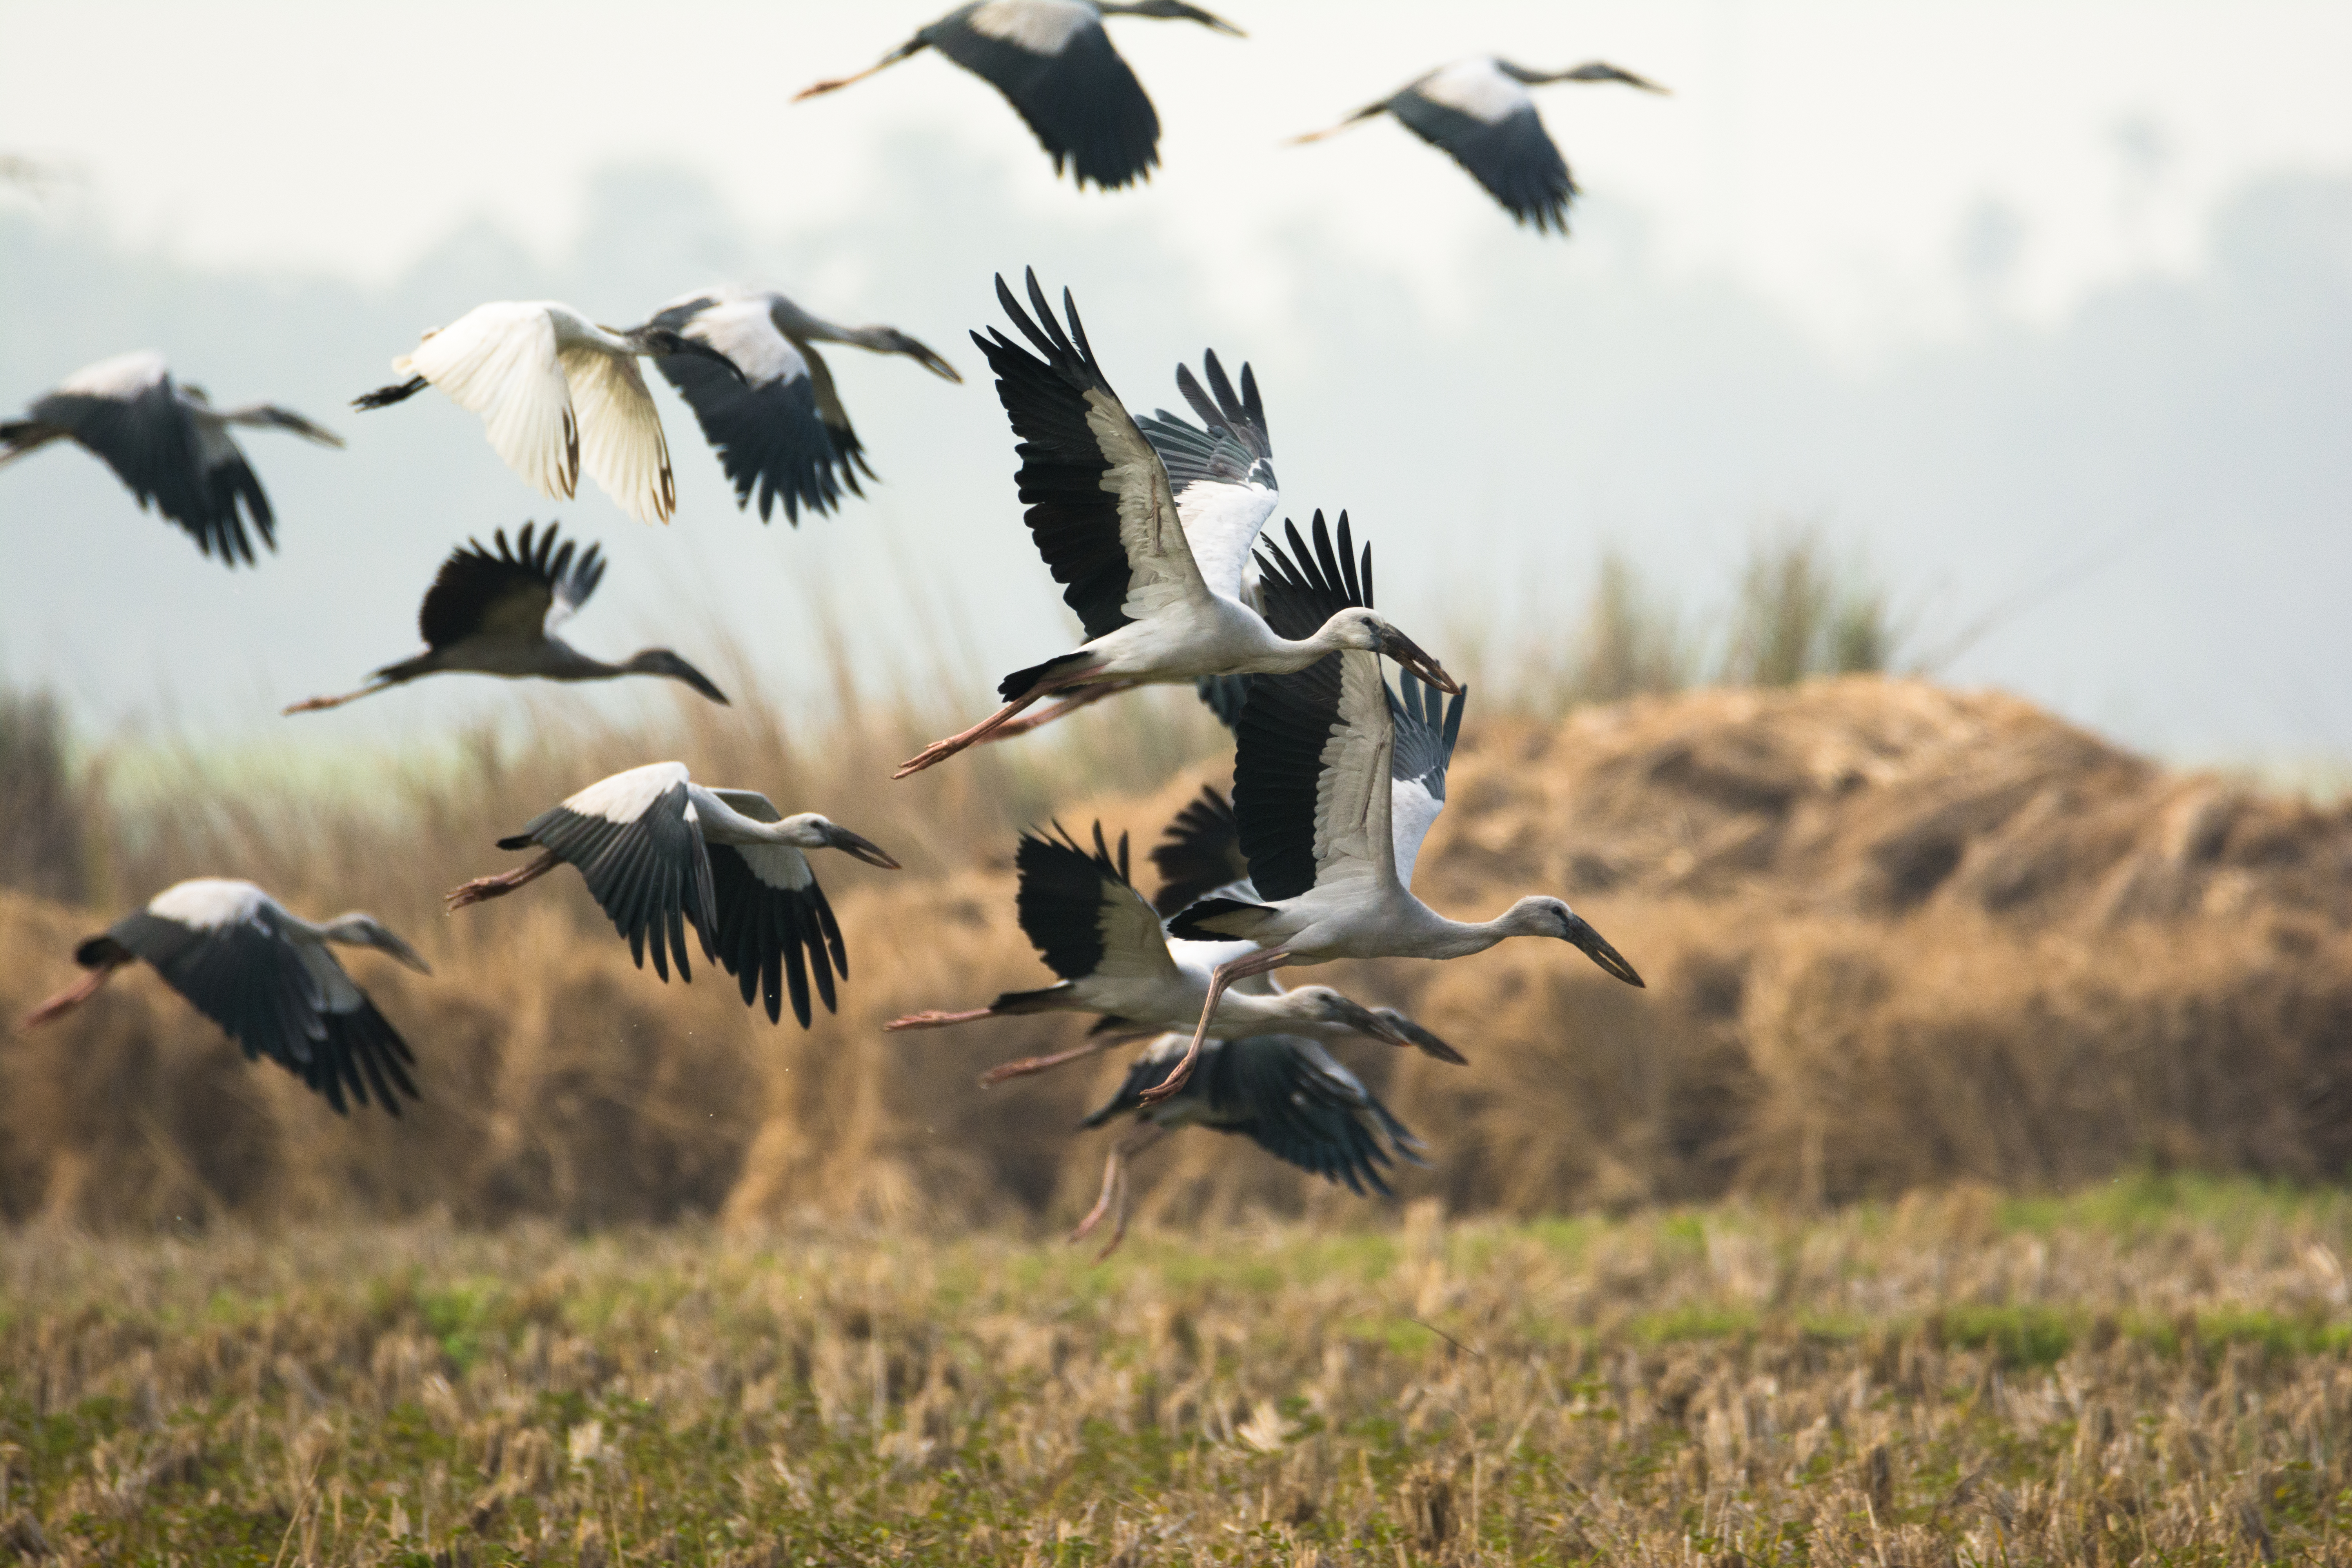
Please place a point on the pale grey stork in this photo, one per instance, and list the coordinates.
(168, 443)
(1336, 780)
(264, 974)
(1283, 1093)
(496, 615)
(660, 853)
(779, 426)
(1055, 64)
(556, 394)
(1156, 578)
(1480, 112)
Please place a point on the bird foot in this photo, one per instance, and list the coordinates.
(934, 1019)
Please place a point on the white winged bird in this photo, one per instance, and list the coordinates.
(1480, 112)
(1055, 64)
(168, 443)
(1336, 780)
(660, 853)
(1283, 1093)
(1104, 939)
(496, 614)
(264, 975)
(556, 394)
(1155, 574)
(779, 426)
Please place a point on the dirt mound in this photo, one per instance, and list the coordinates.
(1895, 935)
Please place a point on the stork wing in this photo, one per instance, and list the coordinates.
(639, 848)
(1514, 157)
(1199, 853)
(1152, 1068)
(1056, 65)
(1426, 728)
(1222, 477)
(1292, 1100)
(621, 443)
(517, 593)
(766, 427)
(1311, 767)
(848, 449)
(126, 410)
(1082, 914)
(771, 913)
(228, 480)
(1099, 507)
(498, 361)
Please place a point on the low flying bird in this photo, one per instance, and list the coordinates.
(660, 852)
(1104, 939)
(1055, 64)
(168, 443)
(558, 393)
(778, 425)
(1283, 1093)
(264, 975)
(496, 614)
(1336, 780)
(1480, 112)
(1154, 549)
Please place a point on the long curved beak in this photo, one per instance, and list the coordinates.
(923, 356)
(701, 682)
(863, 849)
(1408, 653)
(1220, 24)
(1364, 1021)
(400, 950)
(1428, 1044)
(1596, 948)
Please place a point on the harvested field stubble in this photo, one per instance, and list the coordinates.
(1895, 936)
(2151, 1373)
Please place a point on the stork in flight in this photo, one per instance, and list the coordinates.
(168, 443)
(558, 393)
(779, 426)
(660, 853)
(1156, 576)
(264, 974)
(1480, 111)
(496, 614)
(1285, 1094)
(1336, 780)
(1055, 64)
(1098, 933)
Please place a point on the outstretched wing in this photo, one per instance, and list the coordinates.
(1302, 1107)
(1080, 911)
(1426, 727)
(1056, 65)
(621, 441)
(1222, 475)
(1487, 123)
(767, 426)
(638, 844)
(127, 411)
(1200, 853)
(1099, 507)
(519, 592)
(774, 926)
(498, 361)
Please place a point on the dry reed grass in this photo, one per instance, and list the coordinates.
(2140, 1376)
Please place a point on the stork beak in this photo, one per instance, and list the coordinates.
(1428, 1044)
(400, 950)
(863, 849)
(1220, 25)
(1364, 1021)
(1408, 653)
(701, 682)
(923, 356)
(1596, 948)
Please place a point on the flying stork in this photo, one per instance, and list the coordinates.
(264, 974)
(496, 614)
(1156, 576)
(1283, 1093)
(1094, 930)
(1480, 112)
(779, 426)
(168, 443)
(1336, 780)
(660, 853)
(559, 394)
(1055, 64)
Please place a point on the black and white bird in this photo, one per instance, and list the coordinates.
(264, 974)
(1480, 112)
(168, 443)
(779, 427)
(1336, 780)
(1055, 64)
(496, 615)
(1283, 1093)
(556, 394)
(660, 853)
(1153, 548)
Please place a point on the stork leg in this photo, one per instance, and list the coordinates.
(940, 750)
(938, 1020)
(1063, 708)
(1027, 1065)
(314, 704)
(1224, 976)
(1114, 1192)
(72, 996)
(834, 84)
(505, 882)
(1356, 119)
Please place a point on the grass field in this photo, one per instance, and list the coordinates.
(2153, 1371)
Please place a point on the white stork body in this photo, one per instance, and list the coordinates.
(556, 394)
(1151, 534)
(264, 974)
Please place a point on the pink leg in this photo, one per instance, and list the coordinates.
(1027, 1065)
(936, 1020)
(315, 704)
(1115, 1185)
(505, 882)
(72, 996)
(1224, 974)
(1063, 708)
(939, 752)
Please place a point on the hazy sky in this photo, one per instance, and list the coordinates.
(1984, 286)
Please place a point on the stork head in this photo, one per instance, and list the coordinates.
(1369, 631)
(661, 342)
(811, 831)
(1173, 10)
(357, 929)
(1321, 1004)
(1552, 917)
(661, 662)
